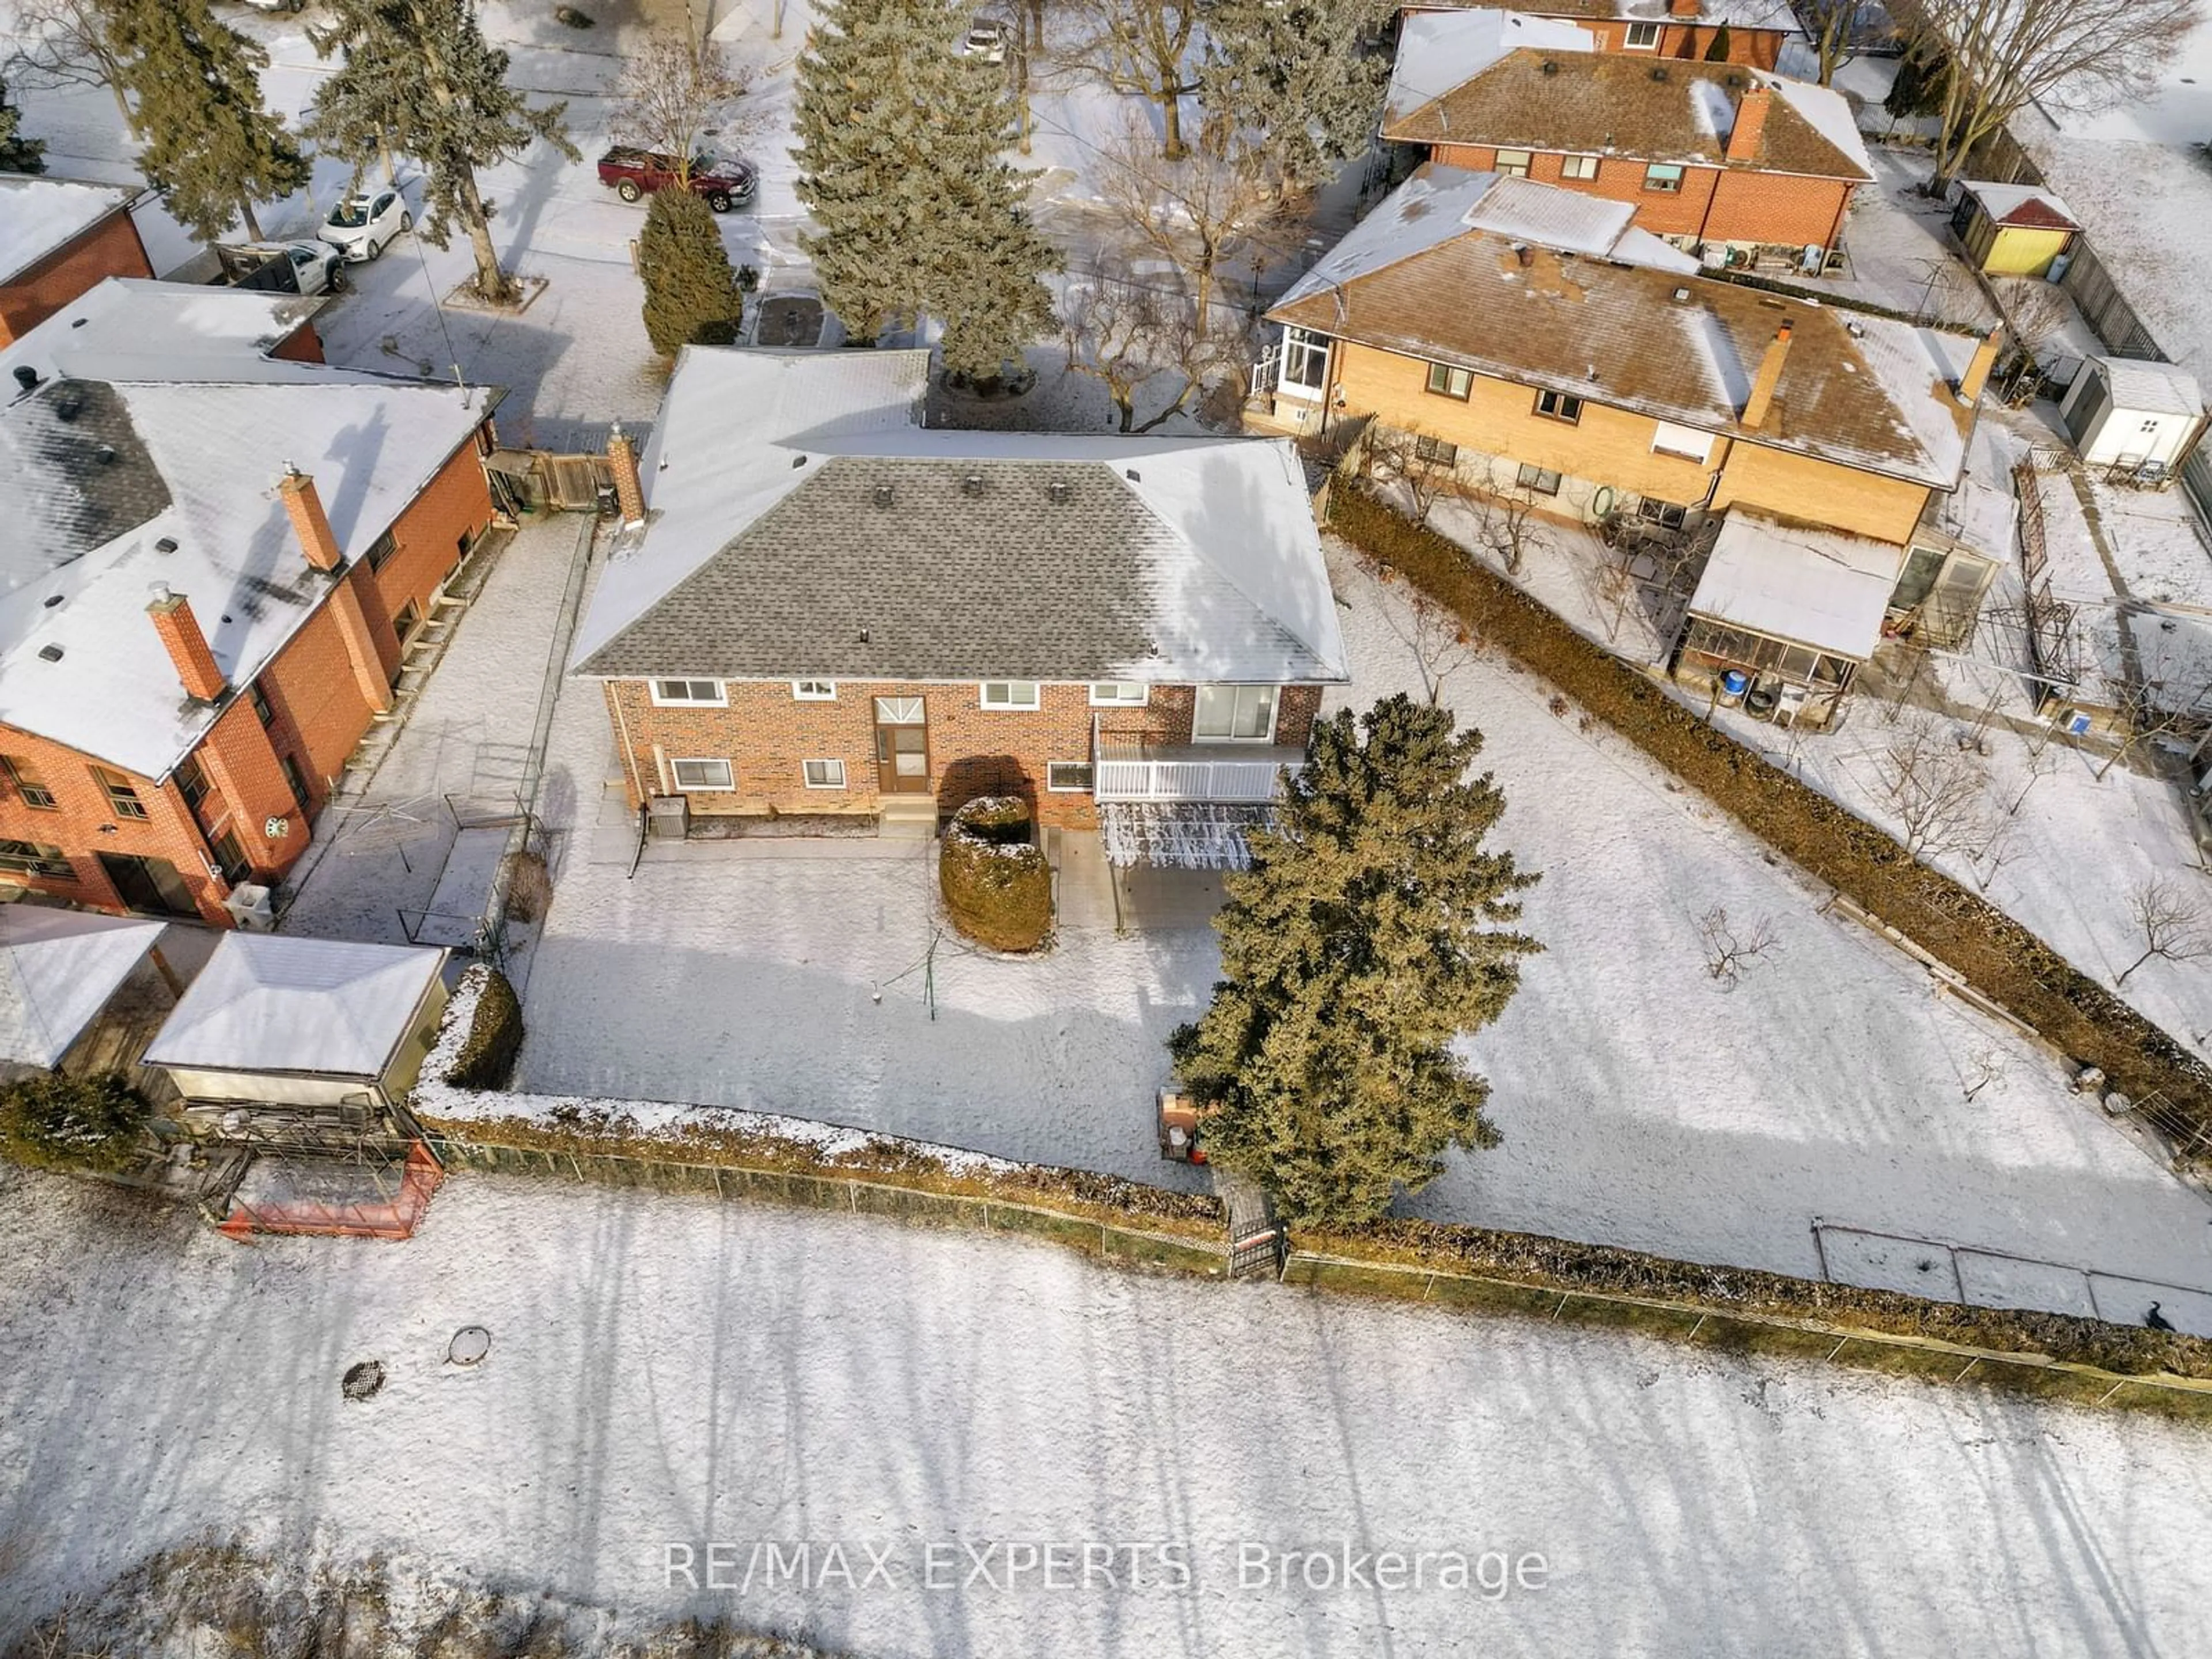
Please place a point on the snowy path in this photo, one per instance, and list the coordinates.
(666, 1370)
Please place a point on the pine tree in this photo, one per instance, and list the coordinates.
(212, 147)
(1363, 940)
(418, 75)
(17, 153)
(902, 164)
(1293, 76)
(1718, 52)
(690, 291)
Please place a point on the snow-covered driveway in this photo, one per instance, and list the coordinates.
(669, 1371)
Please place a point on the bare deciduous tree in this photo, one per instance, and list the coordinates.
(2169, 921)
(1934, 788)
(1730, 951)
(1423, 467)
(1442, 646)
(1142, 48)
(1504, 526)
(673, 94)
(1838, 30)
(62, 43)
(1125, 331)
(2002, 54)
(1197, 212)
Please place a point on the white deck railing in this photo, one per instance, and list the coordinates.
(1244, 782)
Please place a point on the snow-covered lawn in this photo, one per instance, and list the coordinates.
(667, 1371)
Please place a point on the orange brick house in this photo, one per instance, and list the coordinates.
(1756, 30)
(1531, 348)
(214, 548)
(823, 609)
(1726, 160)
(58, 238)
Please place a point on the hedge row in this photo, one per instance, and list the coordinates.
(487, 1057)
(1997, 956)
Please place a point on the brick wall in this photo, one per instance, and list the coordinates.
(302, 346)
(766, 734)
(1715, 204)
(427, 538)
(110, 248)
(1817, 492)
(1759, 48)
(77, 824)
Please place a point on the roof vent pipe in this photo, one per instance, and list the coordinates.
(27, 377)
(972, 484)
(883, 495)
(1060, 492)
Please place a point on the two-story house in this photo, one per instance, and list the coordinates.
(1497, 322)
(1744, 31)
(822, 608)
(1726, 160)
(215, 551)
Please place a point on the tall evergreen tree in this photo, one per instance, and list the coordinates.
(420, 76)
(17, 153)
(1366, 937)
(212, 147)
(1718, 50)
(902, 163)
(690, 291)
(1295, 78)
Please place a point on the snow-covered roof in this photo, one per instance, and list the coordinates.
(39, 216)
(269, 1002)
(1858, 389)
(860, 547)
(2141, 386)
(120, 485)
(131, 328)
(2020, 204)
(58, 970)
(1440, 50)
(1737, 14)
(1816, 588)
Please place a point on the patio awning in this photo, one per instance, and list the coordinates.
(1180, 836)
(1814, 587)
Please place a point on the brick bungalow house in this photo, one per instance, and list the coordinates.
(1536, 351)
(1723, 159)
(58, 238)
(1680, 29)
(822, 608)
(215, 547)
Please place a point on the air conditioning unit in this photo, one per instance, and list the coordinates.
(671, 818)
(251, 908)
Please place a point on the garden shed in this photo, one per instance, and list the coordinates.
(2133, 413)
(305, 1022)
(62, 975)
(2014, 230)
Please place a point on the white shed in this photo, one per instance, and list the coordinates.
(2126, 411)
(281, 1021)
(59, 969)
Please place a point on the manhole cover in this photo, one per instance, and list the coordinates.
(362, 1381)
(470, 1345)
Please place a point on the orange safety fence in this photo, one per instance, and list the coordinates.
(391, 1217)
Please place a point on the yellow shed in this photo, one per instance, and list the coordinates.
(2012, 230)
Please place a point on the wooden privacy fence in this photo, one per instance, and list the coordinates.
(1724, 1329)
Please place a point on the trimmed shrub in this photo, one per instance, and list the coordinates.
(494, 1037)
(690, 293)
(997, 886)
(53, 1121)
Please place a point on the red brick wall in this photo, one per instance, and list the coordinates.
(302, 346)
(765, 733)
(1759, 48)
(110, 248)
(75, 825)
(456, 504)
(1714, 205)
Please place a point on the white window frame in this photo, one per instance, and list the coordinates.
(676, 775)
(1559, 411)
(901, 711)
(720, 700)
(1274, 695)
(1452, 374)
(1051, 767)
(1310, 349)
(814, 690)
(1569, 164)
(1531, 478)
(1516, 168)
(1650, 43)
(832, 774)
(1113, 698)
(1009, 706)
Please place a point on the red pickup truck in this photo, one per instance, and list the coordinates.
(635, 173)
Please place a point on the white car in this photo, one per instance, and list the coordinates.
(360, 226)
(986, 40)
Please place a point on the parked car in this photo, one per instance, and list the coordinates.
(634, 172)
(987, 40)
(360, 227)
(283, 267)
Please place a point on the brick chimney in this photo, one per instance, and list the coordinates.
(629, 490)
(1756, 406)
(309, 522)
(188, 647)
(1750, 123)
(1683, 7)
(1978, 371)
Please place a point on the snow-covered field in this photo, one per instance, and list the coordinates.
(669, 1372)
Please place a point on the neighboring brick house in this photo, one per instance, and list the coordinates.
(1755, 30)
(214, 547)
(1725, 159)
(1526, 342)
(58, 238)
(826, 610)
